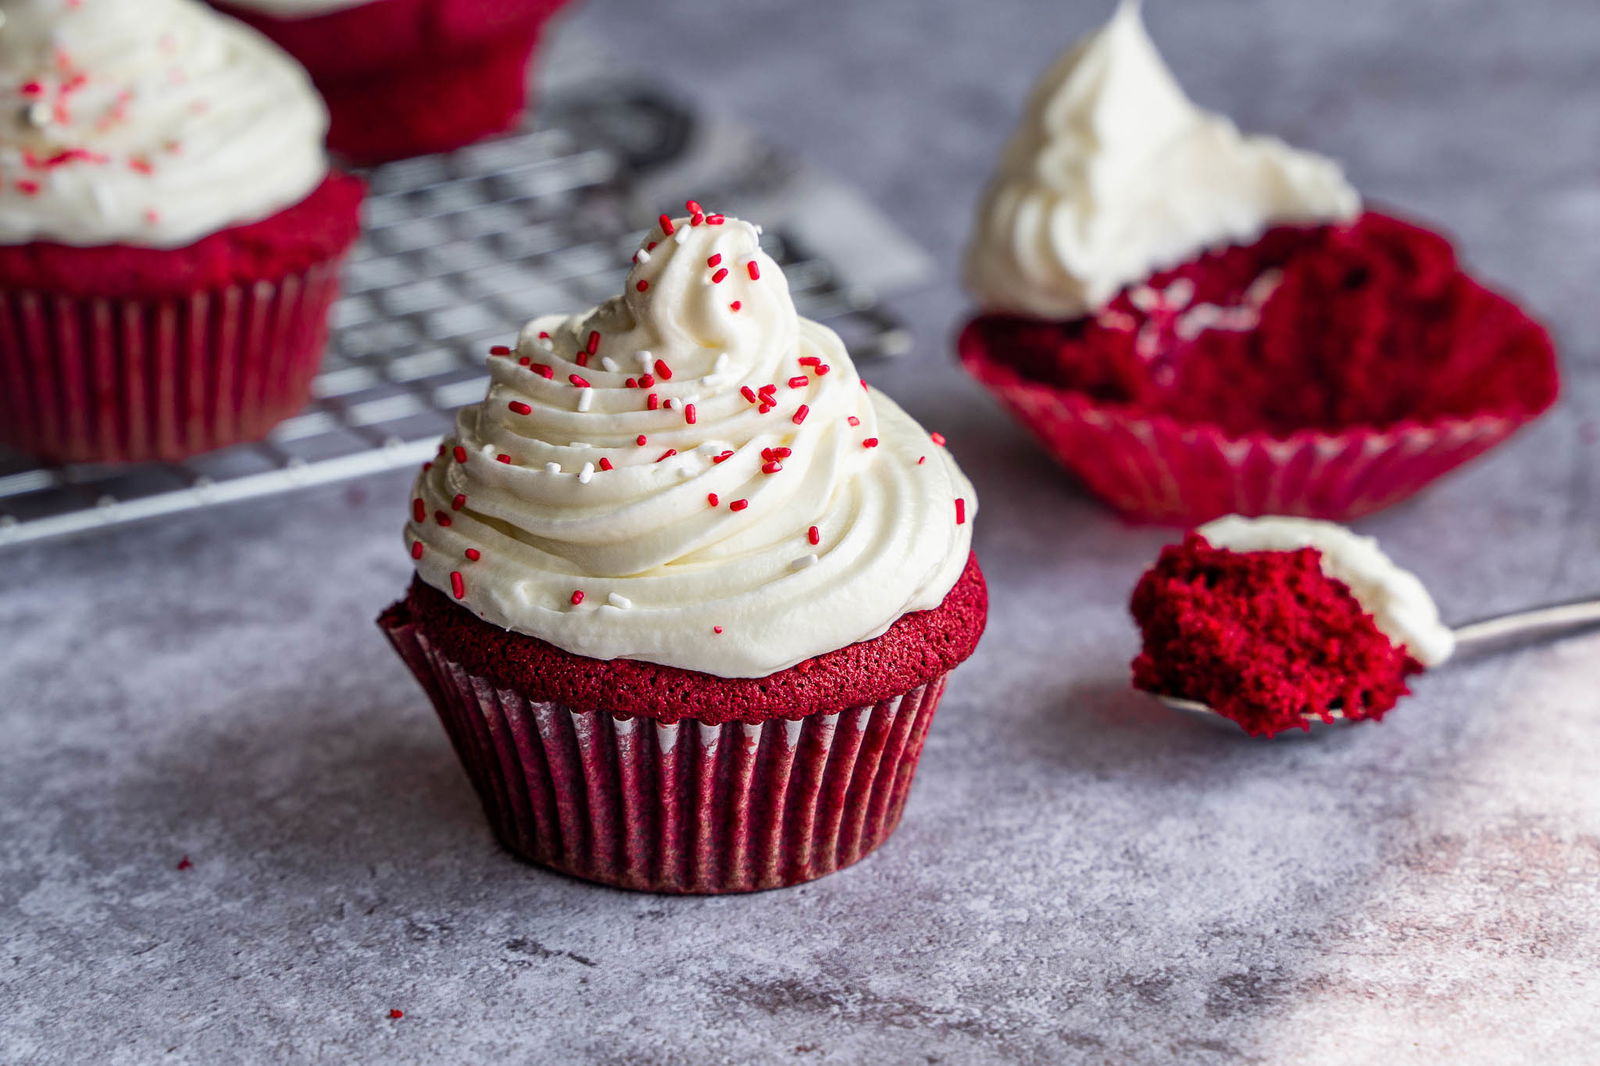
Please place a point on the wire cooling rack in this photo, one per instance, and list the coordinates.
(457, 252)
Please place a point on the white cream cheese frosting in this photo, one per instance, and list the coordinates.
(1397, 600)
(1114, 174)
(294, 9)
(150, 123)
(690, 474)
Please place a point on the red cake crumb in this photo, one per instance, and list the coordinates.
(316, 229)
(1264, 638)
(1331, 327)
(913, 651)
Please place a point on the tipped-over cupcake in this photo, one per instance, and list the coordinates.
(687, 591)
(170, 231)
(1275, 622)
(1196, 321)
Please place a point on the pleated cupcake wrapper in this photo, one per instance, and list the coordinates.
(688, 807)
(114, 379)
(1154, 469)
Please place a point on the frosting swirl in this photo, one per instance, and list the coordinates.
(1397, 599)
(152, 123)
(1115, 175)
(690, 474)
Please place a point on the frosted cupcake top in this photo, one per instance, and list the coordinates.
(690, 474)
(1397, 600)
(152, 123)
(1114, 174)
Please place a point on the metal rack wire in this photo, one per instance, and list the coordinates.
(457, 251)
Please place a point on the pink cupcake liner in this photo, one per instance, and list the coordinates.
(1152, 468)
(681, 808)
(131, 379)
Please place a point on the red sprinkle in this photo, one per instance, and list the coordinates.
(961, 511)
(813, 535)
(641, 440)
(714, 260)
(442, 518)
(577, 597)
(397, 1014)
(520, 408)
(853, 420)
(799, 381)
(772, 467)
(937, 438)
(823, 368)
(693, 207)
(419, 510)
(711, 498)
(641, 285)
(460, 453)
(459, 502)
(800, 414)
(688, 413)
(717, 630)
(28, 188)
(633, 383)
(755, 271)
(668, 454)
(184, 863)
(499, 349)
(715, 220)
(808, 360)
(502, 458)
(735, 305)
(457, 586)
(578, 380)
(648, 381)
(666, 225)
(738, 505)
(605, 464)
(921, 459)
(524, 361)
(594, 342)
(716, 279)
(724, 457)
(870, 442)
(748, 393)
(653, 401)
(543, 335)
(663, 370)
(473, 554)
(582, 359)
(543, 371)
(416, 549)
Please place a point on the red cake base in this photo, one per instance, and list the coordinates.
(703, 784)
(121, 353)
(1264, 638)
(410, 77)
(1364, 366)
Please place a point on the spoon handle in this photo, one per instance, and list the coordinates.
(1550, 622)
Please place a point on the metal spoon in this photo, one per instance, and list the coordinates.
(1486, 636)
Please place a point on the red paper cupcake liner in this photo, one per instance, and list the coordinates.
(1152, 468)
(133, 379)
(681, 808)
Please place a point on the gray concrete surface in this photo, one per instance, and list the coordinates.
(1079, 877)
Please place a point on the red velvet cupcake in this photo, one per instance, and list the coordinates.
(687, 591)
(1278, 622)
(169, 246)
(408, 77)
(1197, 323)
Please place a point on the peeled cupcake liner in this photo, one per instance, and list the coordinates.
(688, 807)
(111, 379)
(1153, 468)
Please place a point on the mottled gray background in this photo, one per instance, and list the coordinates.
(1079, 877)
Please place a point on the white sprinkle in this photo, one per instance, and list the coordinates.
(39, 114)
(646, 360)
(618, 601)
(667, 403)
(586, 473)
(642, 256)
(552, 468)
(609, 363)
(580, 444)
(804, 561)
(680, 235)
(710, 447)
(585, 399)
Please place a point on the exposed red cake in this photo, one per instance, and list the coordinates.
(317, 229)
(913, 651)
(1264, 638)
(120, 353)
(408, 77)
(1344, 368)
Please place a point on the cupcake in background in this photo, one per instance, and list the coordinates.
(1198, 322)
(170, 232)
(408, 77)
(687, 591)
